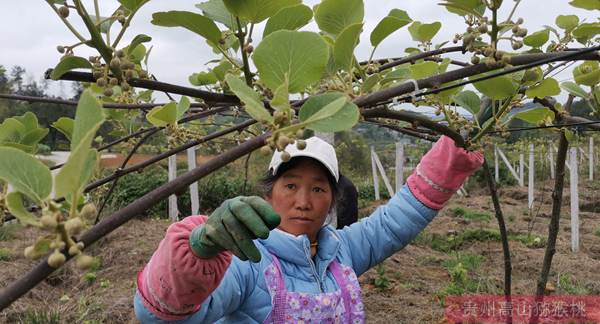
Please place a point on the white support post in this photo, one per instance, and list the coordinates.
(496, 165)
(591, 159)
(191, 160)
(531, 176)
(386, 181)
(375, 177)
(173, 212)
(551, 159)
(574, 202)
(399, 165)
(521, 169)
(509, 166)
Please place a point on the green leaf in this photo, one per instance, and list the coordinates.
(216, 10)
(395, 20)
(587, 73)
(12, 130)
(222, 69)
(251, 99)
(73, 176)
(424, 32)
(67, 64)
(401, 73)
(574, 89)
(285, 52)
(88, 118)
(29, 120)
(333, 16)
(132, 5)
(191, 21)
(567, 22)
(34, 137)
(585, 32)
(182, 106)
(423, 70)
(586, 4)
(537, 39)
(203, 78)
(256, 11)
(281, 97)
(163, 115)
(65, 125)
(139, 39)
(548, 87)
(465, 7)
(468, 100)
(14, 202)
(25, 174)
(497, 88)
(329, 112)
(533, 115)
(343, 50)
(290, 18)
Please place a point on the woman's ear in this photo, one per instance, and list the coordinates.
(267, 197)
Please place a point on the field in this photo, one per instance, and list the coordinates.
(408, 288)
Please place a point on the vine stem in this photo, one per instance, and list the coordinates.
(553, 227)
(486, 129)
(514, 9)
(66, 22)
(246, 67)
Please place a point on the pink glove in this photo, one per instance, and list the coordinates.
(175, 282)
(441, 172)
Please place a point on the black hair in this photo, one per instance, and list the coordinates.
(269, 179)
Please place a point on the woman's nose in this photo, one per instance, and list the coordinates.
(303, 199)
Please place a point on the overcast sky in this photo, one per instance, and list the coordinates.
(31, 31)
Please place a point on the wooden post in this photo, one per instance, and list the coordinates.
(510, 167)
(496, 165)
(591, 159)
(386, 181)
(375, 177)
(173, 212)
(399, 165)
(574, 201)
(531, 176)
(191, 160)
(521, 169)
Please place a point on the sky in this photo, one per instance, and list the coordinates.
(31, 31)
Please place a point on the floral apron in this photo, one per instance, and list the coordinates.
(342, 306)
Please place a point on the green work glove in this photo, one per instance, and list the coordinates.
(233, 226)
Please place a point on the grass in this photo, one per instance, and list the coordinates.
(597, 232)
(41, 317)
(5, 254)
(7, 231)
(529, 240)
(456, 241)
(470, 214)
(567, 283)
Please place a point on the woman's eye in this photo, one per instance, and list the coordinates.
(290, 186)
(318, 189)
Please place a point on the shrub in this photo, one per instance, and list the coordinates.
(470, 214)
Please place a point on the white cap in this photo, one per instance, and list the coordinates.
(317, 149)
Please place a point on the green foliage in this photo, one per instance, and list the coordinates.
(69, 63)
(597, 232)
(25, 173)
(41, 317)
(283, 54)
(529, 240)
(468, 100)
(567, 22)
(5, 254)
(470, 214)
(395, 20)
(574, 89)
(318, 118)
(191, 21)
(424, 32)
(251, 99)
(168, 114)
(586, 4)
(537, 39)
(333, 16)
(343, 49)
(289, 18)
(256, 11)
(587, 73)
(381, 282)
(22, 132)
(548, 87)
(7, 231)
(568, 284)
(497, 88)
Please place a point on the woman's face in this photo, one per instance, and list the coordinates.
(302, 197)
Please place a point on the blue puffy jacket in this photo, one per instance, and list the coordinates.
(243, 297)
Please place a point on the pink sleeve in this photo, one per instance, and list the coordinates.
(441, 172)
(175, 282)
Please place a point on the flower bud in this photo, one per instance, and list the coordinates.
(56, 259)
(63, 11)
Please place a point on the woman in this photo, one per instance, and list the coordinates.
(288, 265)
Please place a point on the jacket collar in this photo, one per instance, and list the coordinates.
(296, 249)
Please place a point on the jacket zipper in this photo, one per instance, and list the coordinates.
(314, 269)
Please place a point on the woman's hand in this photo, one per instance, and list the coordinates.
(233, 226)
(442, 171)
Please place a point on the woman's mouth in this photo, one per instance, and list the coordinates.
(301, 219)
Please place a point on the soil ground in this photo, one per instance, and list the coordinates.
(417, 277)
